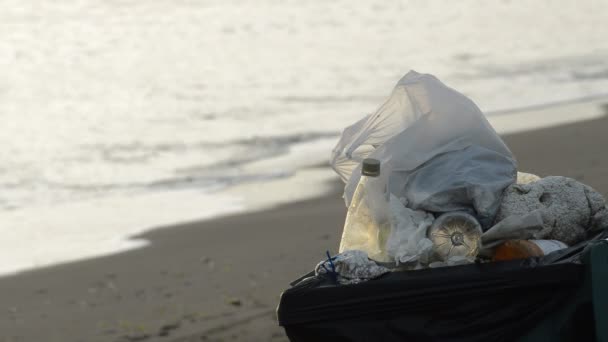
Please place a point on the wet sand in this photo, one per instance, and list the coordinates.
(220, 280)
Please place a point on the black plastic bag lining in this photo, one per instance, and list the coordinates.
(480, 302)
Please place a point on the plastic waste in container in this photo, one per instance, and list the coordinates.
(367, 224)
(455, 234)
(521, 249)
(443, 153)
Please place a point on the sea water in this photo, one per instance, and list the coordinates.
(120, 116)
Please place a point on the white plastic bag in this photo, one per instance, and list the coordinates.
(408, 241)
(444, 154)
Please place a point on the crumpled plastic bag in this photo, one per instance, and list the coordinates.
(442, 152)
(351, 267)
(408, 241)
(515, 227)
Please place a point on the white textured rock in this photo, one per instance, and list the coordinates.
(526, 178)
(569, 209)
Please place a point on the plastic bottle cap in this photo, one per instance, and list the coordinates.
(371, 167)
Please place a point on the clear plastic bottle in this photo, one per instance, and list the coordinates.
(455, 234)
(367, 224)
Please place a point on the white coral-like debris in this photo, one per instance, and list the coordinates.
(570, 209)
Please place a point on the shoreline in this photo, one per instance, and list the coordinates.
(572, 101)
(220, 278)
(111, 222)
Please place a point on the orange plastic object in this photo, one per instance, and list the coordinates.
(517, 249)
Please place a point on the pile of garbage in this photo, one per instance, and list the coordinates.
(429, 183)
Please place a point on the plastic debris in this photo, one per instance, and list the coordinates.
(367, 224)
(408, 240)
(451, 261)
(443, 153)
(351, 267)
(514, 227)
(521, 249)
(455, 235)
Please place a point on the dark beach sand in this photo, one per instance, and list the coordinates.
(220, 280)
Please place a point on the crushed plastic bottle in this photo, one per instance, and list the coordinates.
(367, 224)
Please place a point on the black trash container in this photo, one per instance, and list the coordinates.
(540, 299)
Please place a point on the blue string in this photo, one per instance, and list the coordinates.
(332, 274)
